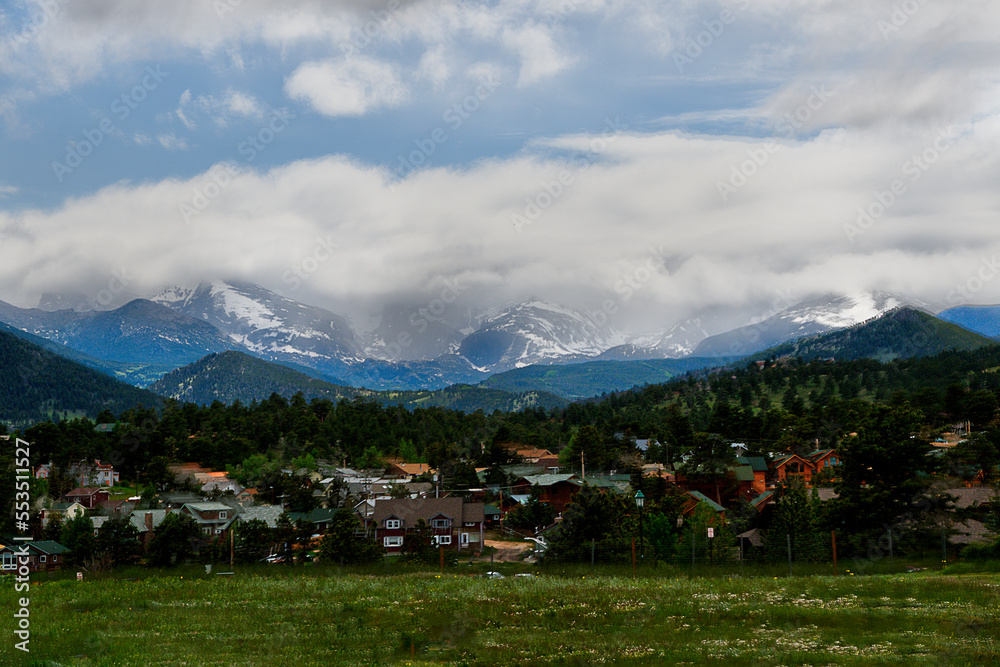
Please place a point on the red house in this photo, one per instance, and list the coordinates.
(90, 498)
(556, 490)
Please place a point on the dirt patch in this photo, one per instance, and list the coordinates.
(507, 552)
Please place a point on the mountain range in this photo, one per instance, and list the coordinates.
(531, 346)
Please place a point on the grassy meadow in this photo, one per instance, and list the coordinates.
(315, 616)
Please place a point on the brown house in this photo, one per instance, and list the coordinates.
(791, 466)
(42, 556)
(454, 524)
(556, 490)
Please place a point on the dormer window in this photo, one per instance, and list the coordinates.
(392, 524)
(441, 523)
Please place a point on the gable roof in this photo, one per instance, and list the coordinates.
(138, 518)
(762, 499)
(411, 510)
(269, 514)
(702, 498)
(756, 462)
(81, 491)
(548, 479)
(47, 547)
(743, 473)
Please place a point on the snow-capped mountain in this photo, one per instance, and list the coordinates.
(140, 332)
(406, 333)
(269, 325)
(812, 316)
(533, 332)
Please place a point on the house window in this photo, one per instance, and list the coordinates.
(8, 561)
(443, 539)
(222, 515)
(55, 559)
(392, 524)
(441, 523)
(464, 541)
(41, 559)
(392, 541)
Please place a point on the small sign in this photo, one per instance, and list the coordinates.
(79, 576)
(711, 532)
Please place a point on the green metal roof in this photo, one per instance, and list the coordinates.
(761, 498)
(743, 473)
(702, 498)
(756, 462)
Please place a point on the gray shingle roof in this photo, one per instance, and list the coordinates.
(269, 514)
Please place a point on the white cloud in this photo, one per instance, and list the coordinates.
(601, 207)
(172, 143)
(349, 87)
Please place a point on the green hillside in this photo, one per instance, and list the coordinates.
(594, 378)
(39, 384)
(236, 376)
(900, 333)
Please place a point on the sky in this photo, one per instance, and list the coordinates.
(647, 160)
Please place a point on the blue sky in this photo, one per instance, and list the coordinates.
(522, 147)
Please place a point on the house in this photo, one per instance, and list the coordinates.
(177, 500)
(319, 518)
(44, 471)
(790, 466)
(823, 458)
(759, 466)
(214, 519)
(694, 498)
(269, 514)
(93, 474)
(556, 490)
(65, 512)
(454, 524)
(407, 470)
(146, 522)
(491, 515)
(43, 556)
(90, 498)
(247, 495)
(540, 458)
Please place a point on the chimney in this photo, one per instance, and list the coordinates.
(148, 517)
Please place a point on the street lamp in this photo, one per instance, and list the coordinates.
(640, 500)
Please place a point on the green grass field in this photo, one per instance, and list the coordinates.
(316, 616)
